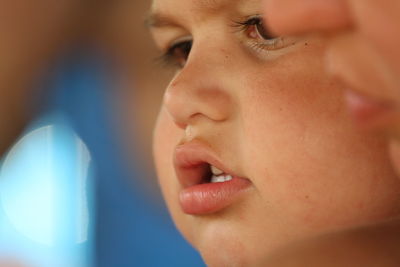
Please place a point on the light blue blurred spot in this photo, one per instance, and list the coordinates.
(46, 207)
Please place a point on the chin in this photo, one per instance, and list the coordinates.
(224, 243)
(225, 254)
(231, 254)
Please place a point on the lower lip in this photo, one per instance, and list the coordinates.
(210, 198)
(368, 112)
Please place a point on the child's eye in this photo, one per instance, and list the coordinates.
(257, 29)
(258, 33)
(178, 53)
(254, 28)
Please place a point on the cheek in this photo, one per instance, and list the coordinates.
(302, 148)
(289, 113)
(166, 136)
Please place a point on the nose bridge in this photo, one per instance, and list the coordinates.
(201, 89)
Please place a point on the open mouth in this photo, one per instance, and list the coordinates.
(218, 176)
(208, 186)
(205, 173)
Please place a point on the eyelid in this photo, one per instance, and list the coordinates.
(178, 41)
(261, 44)
(167, 57)
(244, 21)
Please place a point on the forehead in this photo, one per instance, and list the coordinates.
(199, 8)
(198, 5)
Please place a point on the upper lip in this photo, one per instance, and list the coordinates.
(192, 162)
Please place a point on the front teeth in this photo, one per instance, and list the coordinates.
(216, 171)
(220, 178)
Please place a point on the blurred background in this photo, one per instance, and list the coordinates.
(80, 91)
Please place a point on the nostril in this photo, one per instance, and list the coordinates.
(190, 95)
(181, 125)
(177, 108)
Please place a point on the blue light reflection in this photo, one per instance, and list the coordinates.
(46, 197)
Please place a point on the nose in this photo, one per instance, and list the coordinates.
(199, 90)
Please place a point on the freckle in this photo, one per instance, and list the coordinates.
(306, 44)
(307, 197)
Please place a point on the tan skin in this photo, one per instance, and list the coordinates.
(371, 246)
(363, 54)
(16, 97)
(363, 49)
(273, 116)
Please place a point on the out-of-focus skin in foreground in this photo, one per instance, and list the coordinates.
(31, 34)
(363, 53)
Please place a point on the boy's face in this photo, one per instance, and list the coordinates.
(264, 112)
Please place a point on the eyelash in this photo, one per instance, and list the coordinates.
(169, 58)
(270, 43)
